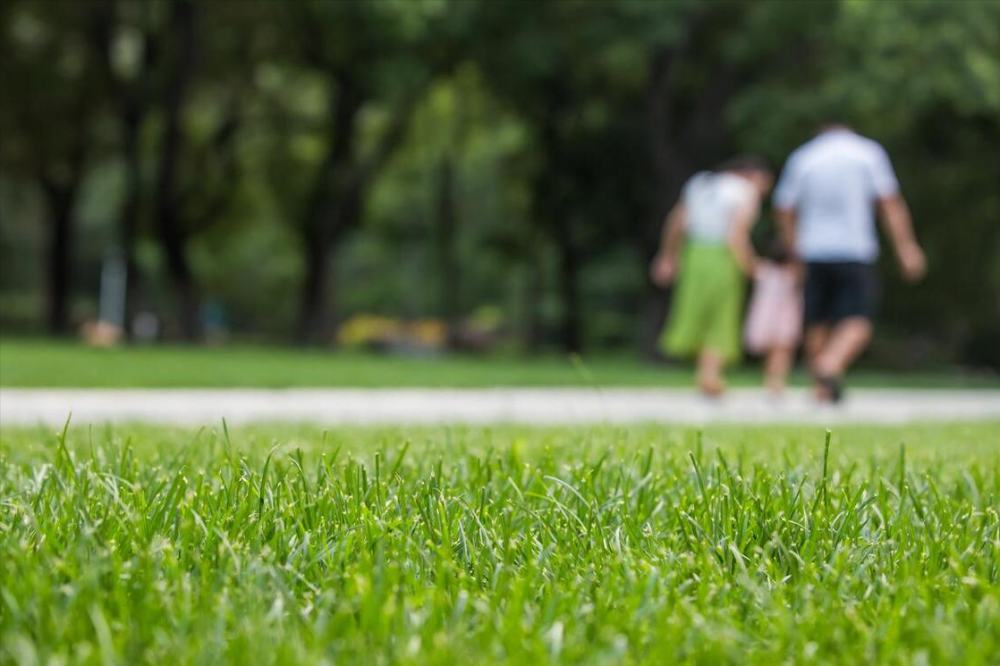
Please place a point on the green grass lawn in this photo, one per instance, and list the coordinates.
(285, 545)
(45, 363)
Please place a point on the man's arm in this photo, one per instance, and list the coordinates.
(665, 263)
(898, 225)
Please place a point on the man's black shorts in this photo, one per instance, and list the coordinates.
(838, 290)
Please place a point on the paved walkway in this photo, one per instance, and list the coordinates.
(502, 405)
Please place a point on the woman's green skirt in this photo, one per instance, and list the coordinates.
(707, 304)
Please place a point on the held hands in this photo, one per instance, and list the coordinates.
(663, 270)
(912, 263)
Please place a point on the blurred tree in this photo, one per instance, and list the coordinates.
(125, 56)
(179, 67)
(368, 57)
(459, 123)
(47, 132)
(445, 241)
(154, 56)
(437, 156)
(570, 71)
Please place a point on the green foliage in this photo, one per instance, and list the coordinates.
(568, 127)
(501, 546)
(46, 63)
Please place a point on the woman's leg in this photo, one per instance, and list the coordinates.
(710, 377)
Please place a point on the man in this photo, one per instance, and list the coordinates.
(826, 200)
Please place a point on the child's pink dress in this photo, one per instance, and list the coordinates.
(775, 315)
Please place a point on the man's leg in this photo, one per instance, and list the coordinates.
(846, 341)
(817, 312)
(814, 342)
(813, 345)
(853, 296)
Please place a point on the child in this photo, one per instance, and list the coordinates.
(713, 218)
(774, 322)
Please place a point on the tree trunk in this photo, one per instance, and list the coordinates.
(319, 314)
(448, 262)
(668, 172)
(656, 299)
(179, 269)
(569, 292)
(132, 101)
(128, 222)
(313, 322)
(167, 207)
(61, 201)
(329, 209)
(534, 296)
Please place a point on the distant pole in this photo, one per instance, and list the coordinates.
(113, 282)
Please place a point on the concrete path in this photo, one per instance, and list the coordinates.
(503, 405)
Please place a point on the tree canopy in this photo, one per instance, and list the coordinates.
(292, 165)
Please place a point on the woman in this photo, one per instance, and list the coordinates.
(713, 218)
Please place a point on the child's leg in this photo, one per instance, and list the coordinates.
(776, 367)
(710, 378)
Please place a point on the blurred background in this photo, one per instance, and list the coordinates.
(467, 175)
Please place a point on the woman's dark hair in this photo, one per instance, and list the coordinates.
(747, 163)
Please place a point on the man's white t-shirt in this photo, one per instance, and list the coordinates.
(711, 199)
(833, 182)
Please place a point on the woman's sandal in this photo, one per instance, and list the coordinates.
(712, 390)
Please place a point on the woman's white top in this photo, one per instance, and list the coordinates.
(711, 201)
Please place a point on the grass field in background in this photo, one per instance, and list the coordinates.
(514, 545)
(30, 363)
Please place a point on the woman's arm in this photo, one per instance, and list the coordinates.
(785, 220)
(739, 238)
(664, 265)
